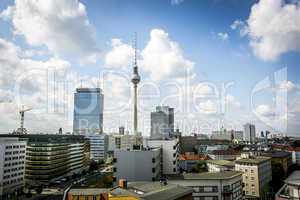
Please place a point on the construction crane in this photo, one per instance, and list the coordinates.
(22, 112)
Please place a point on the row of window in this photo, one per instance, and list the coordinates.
(13, 169)
(13, 175)
(14, 152)
(13, 163)
(14, 158)
(12, 181)
(15, 147)
(207, 189)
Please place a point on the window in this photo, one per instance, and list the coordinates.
(153, 160)
(115, 169)
(174, 169)
(153, 170)
(115, 160)
(153, 179)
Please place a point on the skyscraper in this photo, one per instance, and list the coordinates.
(88, 111)
(249, 133)
(162, 122)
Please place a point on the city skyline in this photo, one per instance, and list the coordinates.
(216, 63)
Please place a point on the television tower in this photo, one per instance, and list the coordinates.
(135, 80)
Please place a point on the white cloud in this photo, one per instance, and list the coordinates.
(273, 28)
(223, 36)
(287, 85)
(176, 2)
(241, 26)
(163, 58)
(208, 107)
(265, 110)
(120, 55)
(61, 25)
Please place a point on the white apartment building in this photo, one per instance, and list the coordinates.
(212, 186)
(98, 146)
(12, 165)
(290, 190)
(257, 173)
(170, 154)
(137, 165)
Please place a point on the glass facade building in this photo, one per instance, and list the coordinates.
(88, 111)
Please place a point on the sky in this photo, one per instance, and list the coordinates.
(218, 63)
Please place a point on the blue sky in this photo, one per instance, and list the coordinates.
(205, 39)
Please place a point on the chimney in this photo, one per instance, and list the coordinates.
(123, 183)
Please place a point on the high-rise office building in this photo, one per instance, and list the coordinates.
(162, 122)
(249, 133)
(12, 165)
(88, 111)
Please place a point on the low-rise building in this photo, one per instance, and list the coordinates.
(189, 160)
(123, 142)
(138, 165)
(283, 158)
(151, 191)
(228, 154)
(212, 185)
(170, 154)
(220, 165)
(87, 193)
(12, 165)
(290, 190)
(132, 191)
(257, 173)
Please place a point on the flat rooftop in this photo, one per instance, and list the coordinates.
(225, 163)
(152, 190)
(211, 175)
(88, 191)
(256, 160)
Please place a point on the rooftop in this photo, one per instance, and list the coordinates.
(294, 178)
(225, 163)
(88, 191)
(212, 175)
(193, 157)
(256, 160)
(152, 190)
(225, 152)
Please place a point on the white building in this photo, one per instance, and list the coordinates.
(257, 173)
(137, 165)
(170, 154)
(212, 186)
(249, 133)
(98, 146)
(12, 165)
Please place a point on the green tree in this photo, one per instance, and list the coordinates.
(93, 166)
(200, 167)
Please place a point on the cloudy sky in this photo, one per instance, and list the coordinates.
(218, 63)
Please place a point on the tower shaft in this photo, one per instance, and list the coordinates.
(135, 118)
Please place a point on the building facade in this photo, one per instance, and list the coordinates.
(249, 133)
(50, 157)
(213, 186)
(162, 122)
(98, 146)
(138, 165)
(170, 154)
(12, 165)
(257, 173)
(88, 111)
